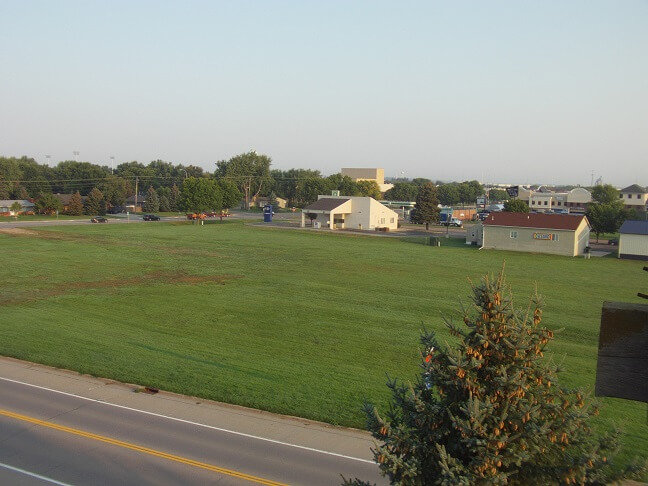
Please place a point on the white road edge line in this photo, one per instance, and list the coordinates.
(242, 434)
(33, 475)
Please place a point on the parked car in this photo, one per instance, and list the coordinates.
(613, 241)
(482, 215)
(150, 217)
(98, 219)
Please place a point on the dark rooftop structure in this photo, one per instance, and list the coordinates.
(634, 228)
(634, 188)
(326, 204)
(532, 220)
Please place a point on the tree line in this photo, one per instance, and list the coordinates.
(251, 173)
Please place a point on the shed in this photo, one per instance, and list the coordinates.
(633, 240)
(557, 234)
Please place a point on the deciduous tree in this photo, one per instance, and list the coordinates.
(516, 206)
(605, 194)
(402, 191)
(369, 189)
(606, 217)
(248, 171)
(230, 193)
(200, 194)
(47, 204)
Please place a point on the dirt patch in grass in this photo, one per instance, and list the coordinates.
(17, 232)
(116, 283)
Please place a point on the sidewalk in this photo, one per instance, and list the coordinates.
(291, 430)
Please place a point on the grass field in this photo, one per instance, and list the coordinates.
(296, 322)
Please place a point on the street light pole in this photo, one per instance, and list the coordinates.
(112, 164)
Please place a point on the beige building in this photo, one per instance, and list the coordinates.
(634, 197)
(574, 201)
(557, 234)
(340, 212)
(377, 175)
(633, 240)
(261, 201)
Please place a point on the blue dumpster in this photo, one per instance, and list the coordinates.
(267, 213)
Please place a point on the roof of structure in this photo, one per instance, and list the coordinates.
(326, 204)
(634, 228)
(9, 202)
(635, 188)
(533, 220)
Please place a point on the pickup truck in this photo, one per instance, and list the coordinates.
(453, 222)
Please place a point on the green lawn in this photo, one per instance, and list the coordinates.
(297, 322)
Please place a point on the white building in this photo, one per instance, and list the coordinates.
(340, 212)
(633, 240)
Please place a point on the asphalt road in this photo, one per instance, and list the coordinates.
(49, 436)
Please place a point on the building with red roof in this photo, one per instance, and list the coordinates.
(557, 234)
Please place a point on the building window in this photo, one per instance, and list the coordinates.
(620, 196)
(382, 220)
(559, 203)
(514, 234)
(391, 220)
(545, 203)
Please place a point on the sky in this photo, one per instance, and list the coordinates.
(552, 92)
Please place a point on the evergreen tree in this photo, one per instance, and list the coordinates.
(95, 203)
(174, 198)
(75, 207)
(152, 204)
(427, 205)
(490, 410)
(164, 204)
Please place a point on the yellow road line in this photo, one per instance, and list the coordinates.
(146, 450)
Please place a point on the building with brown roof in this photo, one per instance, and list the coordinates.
(557, 234)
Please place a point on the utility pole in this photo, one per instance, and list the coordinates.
(48, 157)
(136, 183)
(112, 164)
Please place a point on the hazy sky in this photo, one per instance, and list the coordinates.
(499, 91)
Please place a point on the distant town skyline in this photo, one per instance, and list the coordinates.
(501, 92)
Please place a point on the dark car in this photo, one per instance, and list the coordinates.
(98, 219)
(150, 217)
(613, 241)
